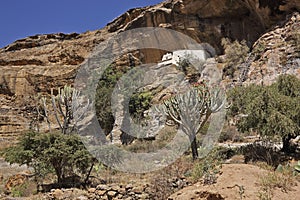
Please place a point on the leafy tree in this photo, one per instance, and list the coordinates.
(63, 154)
(269, 110)
(241, 97)
(127, 81)
(103, 97)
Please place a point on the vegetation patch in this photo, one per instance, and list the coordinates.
(236, 53)
(208, 168)
(283, 179)
(139, 103)
(271, 111)
(104, 92)
(63, 155)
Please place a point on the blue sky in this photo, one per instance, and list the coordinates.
(22, 18)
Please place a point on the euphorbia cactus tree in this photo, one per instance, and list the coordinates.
(193, 108)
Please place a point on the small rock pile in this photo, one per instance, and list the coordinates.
(105, 192)
(66, 194)
(118, 191)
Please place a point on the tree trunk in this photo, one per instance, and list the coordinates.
(194, 149)
(287, 148)
(59, 174)
(88, 174)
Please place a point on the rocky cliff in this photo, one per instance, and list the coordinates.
(38, 63)
(275, 52)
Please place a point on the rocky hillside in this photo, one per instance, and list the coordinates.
(275, 52)
(38, 63)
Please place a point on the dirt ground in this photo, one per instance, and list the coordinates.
(236, 182)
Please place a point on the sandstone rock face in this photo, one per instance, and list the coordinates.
(35, 65)
(275, 52)
(209, 21)
(38, 63)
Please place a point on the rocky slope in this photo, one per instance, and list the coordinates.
(38, 63)
(275, 52)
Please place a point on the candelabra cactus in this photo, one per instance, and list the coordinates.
(192, 109)
(67, 107)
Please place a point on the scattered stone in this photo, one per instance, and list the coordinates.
(92, 196)
(101, 192)
(129, 198)
(104, 198)
(102, 187)
(115, 187)
(129, 187)
(82, 198)
(111, 193)
(144, 196)
(92, 190)
(138, 190)
(58, 194)
(122, 190)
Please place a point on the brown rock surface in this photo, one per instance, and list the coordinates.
(37, 64)
(277, 52)
(41, 62)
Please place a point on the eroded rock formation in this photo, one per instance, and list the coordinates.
(38, 63)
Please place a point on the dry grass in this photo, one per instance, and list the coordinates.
(145, 146)
(162, 182)
(230, 133)
(283, 179)
(24, 190)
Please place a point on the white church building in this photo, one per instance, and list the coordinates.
(175, 57)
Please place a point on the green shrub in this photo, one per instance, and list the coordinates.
(271, 111)
(209, 167)
(64, 155)
(104, 91)
(24, 190)
(230, 134)
(139, 103)
(295, 36)
(258, 152)
(236, 53)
